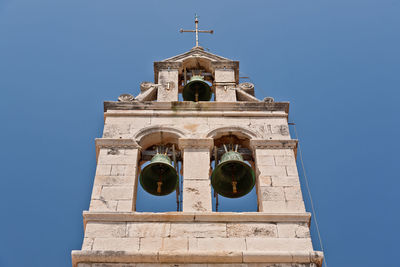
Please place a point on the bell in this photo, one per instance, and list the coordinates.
(232, 177)
(196, 90)
(159, 177)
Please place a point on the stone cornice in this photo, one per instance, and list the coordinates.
(114, 143)
(94, 256)
(177, 106)
(165, 113)
(273, 144)
(195, 217)
(196, 143)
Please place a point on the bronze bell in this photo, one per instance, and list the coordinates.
(232, 177)
(159, 177)
(196, 90)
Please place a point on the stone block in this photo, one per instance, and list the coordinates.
(294, 206)
(278, 244)
(265, 180)
(224, 75)
(271, 170)
(285, 161)
(118, 170)
(116, 244)
(96, 191)
(125, 205)
(265, 160)
(105, 229)
(225, 93)
(293, 193)
(285, 181)
(148, 229)
(131, 169)
(115, 130)
(196, 164)
(269, 193)
(287, 230)
(274, 152)
(115, 180)
(175, 244)
(87, 243)
(117, 192)
(103, 205)
(292, 171)
(196, 195)
(116, 159)
(103, 169)
(217, 244)
(150, 243)
(198, 230)
(251, 230)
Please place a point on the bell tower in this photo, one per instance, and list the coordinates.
(196, 128)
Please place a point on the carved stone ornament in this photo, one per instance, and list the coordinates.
(247, 87)
(144, 86)
(126, 98)
(269, 99)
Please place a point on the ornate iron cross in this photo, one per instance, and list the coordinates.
(197, 31)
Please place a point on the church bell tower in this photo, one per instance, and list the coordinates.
(196, 128)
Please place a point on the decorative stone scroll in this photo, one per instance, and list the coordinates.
(247, 87)
(268, 99)
(144, 86)
(126, 98)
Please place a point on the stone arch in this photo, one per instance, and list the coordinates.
(234, 130)
(158, 134)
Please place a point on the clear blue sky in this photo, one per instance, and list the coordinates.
(337, 62)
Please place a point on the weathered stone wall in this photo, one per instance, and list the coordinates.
(199, 236)
(115, 181)
(278, 185)
(267, 127)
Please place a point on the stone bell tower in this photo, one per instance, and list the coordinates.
(192, 136)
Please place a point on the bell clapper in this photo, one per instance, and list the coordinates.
(197, 95)
(234, 183)
(159, 184)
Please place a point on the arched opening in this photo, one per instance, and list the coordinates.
(159, 176)
(196, 80)
(233, 176)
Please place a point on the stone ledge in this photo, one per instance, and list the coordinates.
(274, 144)
(115, 143)
(182, 113)
(198, 106)
(195, 217)
(196, 257)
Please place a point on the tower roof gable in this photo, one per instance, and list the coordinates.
(196, 52)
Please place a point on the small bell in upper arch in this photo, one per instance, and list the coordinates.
(196, 90)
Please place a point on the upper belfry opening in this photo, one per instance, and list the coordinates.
(198, 61)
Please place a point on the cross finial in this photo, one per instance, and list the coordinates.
(197, 31)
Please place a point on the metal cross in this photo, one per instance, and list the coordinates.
(196, 21)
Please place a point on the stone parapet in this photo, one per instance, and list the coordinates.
(198, 106)
(239, 257)
(196, 217)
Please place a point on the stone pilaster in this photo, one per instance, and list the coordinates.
(115, 183)
(224, 85)
(168, 85)
(196, 174)
(278, 185)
